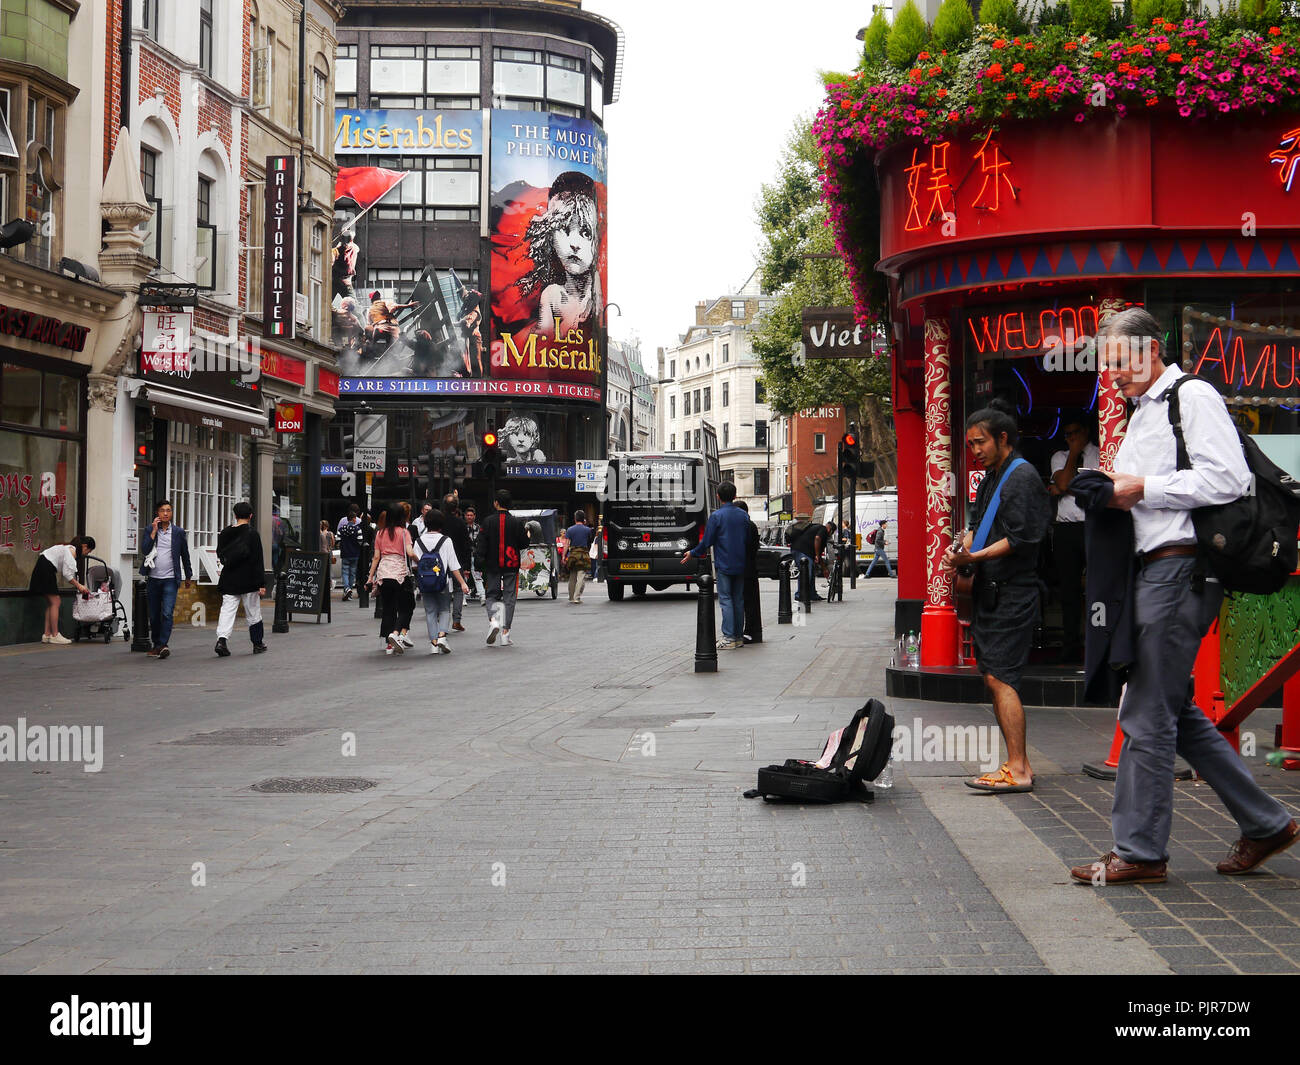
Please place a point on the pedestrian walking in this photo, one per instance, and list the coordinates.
(327, 541)
(726, 533)
(1068, 546)
(1175, 600)
(167, 558)
(433, 540)
(351, 541)
(598, 550)
(389, 572)
(1007, 527)
(472, 529)
(277, 539)
(454, 526)
(59, 560)
(879, 538)
(406, 594)
(500, 547)
(578, 558)
(753, 616)
(242, 581)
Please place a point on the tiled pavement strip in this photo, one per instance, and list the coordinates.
(611, 853)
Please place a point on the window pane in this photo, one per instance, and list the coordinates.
(62, 403)
(517, 79)
(26, 529)
(453, 76)
(345, 76)
(396, 75)
(566, 86)
(452, 187)
(20, 388)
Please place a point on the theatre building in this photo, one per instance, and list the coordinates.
(1002, 252)
(469, 279)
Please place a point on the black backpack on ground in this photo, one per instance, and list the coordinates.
(854, 755)
(1250, 543)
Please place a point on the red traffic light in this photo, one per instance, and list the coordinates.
(850, 440)
(489, 439)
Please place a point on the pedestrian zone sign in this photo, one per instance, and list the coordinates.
(369, 460)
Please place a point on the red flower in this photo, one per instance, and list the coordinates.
(999, 43)
(1152, 101)
(935, 70)
(1273, 31)
(1098, 54)
(953, 116)
(917, 75)
(1174, 57)
(924, 55)
(1069, 46)
(1276, 50)
(1011, 96)
(1018, 68)
(943, 93)
(1163, 46)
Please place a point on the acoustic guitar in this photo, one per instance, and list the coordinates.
(963, 584)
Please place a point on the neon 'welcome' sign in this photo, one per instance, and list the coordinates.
(1014, 331)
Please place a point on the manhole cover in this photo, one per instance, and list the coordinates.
(314, 785)
(243, 737)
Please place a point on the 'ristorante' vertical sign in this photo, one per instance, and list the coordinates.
(280, 247)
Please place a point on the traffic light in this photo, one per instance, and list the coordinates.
(850, 453)
(423, 472)
(349, 451)
(493, 460)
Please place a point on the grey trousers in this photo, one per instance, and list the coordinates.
(499, 591)
(1158, 718)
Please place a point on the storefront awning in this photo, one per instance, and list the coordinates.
(200, 410)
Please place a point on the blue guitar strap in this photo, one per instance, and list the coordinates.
(986, 523)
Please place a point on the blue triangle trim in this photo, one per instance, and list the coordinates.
(1204, 260)
(1149, 264)
(1177, 261)
(1258, 262)
(1069, 265)
(1017, 270)
(995, 269)
(1287, 260)
(1093, 264)
(1122, 264)
(1231, 260)
(1042, 265)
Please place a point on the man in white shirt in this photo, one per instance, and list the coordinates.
(1174, 602)
(1067, 533)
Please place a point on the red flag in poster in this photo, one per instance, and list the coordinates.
(366, 185)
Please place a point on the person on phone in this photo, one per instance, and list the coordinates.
(61, 559)
(1007, 591)
(167, 557)
(242, 581)
(1068, 549)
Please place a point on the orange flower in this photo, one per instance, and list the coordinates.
(1276, 50)
(1070, 46)
(1098, 54)
(999, 43)
(921, 112)
(935, 70)
(1174, 57)
(924, 55)
(846, 104)
(1163, 46)
(942, 93)
(917, 75)
(1018, 68)
(1273, 31)
(1029, 46)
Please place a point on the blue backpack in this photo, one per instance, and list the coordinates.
(430, 572)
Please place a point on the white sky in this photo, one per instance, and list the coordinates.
(711, 90)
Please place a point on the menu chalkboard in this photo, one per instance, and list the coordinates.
(306, 583)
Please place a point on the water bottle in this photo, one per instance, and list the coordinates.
(916, 651)
(912, 658)
(886, 778)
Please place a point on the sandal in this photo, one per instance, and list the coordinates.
(1002, 782)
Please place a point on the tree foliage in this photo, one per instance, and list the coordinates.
(907, 37)
(1004, 15)
(791, 217)
(873, 40)
(953, 25)
(1090, 16)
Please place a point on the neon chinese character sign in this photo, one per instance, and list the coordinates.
(937, 184)
(993, 166)
(1287, 158)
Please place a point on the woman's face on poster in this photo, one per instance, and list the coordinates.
(519, 441)
(575, 245)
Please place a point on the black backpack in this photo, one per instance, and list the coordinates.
(1250, 543)
(854, 755)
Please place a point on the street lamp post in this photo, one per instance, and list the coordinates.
(767, 505)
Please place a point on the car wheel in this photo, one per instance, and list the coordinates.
(639, 590)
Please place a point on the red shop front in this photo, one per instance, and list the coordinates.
(1004, 251)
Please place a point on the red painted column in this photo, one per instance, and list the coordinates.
(938, 617)
(909, 431)
(1112, 417)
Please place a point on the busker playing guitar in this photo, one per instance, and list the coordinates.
(1009, 520)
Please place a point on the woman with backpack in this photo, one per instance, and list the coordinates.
(389, 571)
(438, 566)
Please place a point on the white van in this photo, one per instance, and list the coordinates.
(869, 508)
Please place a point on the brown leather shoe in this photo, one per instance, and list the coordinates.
(1248, 854)
(1110, 868)
(153, 652)
(456, 626)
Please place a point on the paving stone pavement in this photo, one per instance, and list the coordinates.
(570, 804)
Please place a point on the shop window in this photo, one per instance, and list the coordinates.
(203, 479)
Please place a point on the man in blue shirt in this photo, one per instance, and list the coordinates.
(726, 533)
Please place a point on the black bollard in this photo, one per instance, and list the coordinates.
(140, 608)
(706, 636)
(281, 622)
(784, 612)
(810, 582)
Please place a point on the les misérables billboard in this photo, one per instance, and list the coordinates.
(549, 249)
(435, 332)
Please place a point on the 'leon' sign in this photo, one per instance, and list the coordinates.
(834, 333)
(280, 247)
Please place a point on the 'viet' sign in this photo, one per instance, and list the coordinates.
(834, 333)
(280, 247)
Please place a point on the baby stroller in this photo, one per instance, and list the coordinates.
(97, 615)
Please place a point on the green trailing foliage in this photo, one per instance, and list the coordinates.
(907, 38)
(953, 25)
